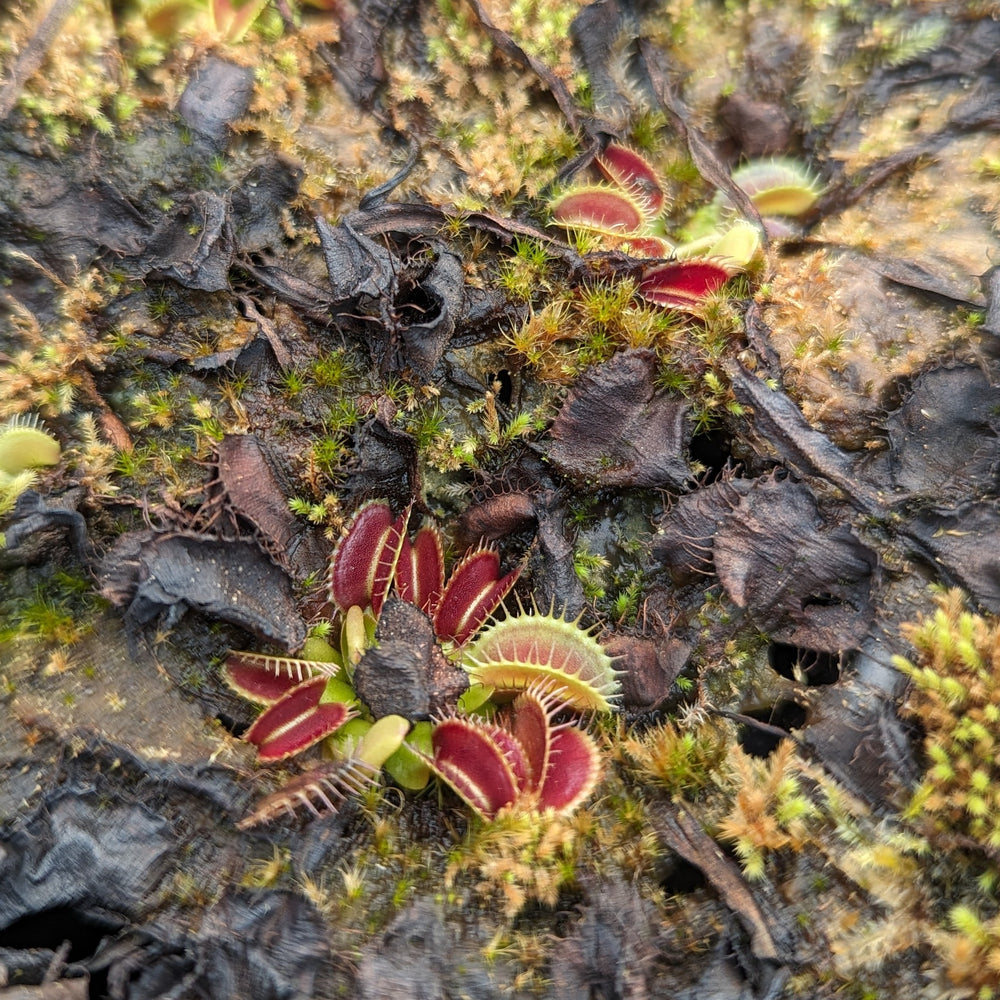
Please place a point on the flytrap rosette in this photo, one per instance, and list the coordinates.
(521, 761)
(513, 654)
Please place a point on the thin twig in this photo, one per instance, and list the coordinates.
(33, 54)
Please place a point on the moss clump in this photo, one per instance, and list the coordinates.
(956, 696)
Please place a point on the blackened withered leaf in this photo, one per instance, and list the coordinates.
(679, 831)
(218, 93)
(69, 854)
(194, 244)
(440, 297)
(422, 956)
(554, 579)
(385, 461)
(250, 486)
(36, 525)
(683, 542)
(943, 440)
(649, 667)
(802, 578)
(857, 734)
(990, 282)
(406, 673)
(778, 425)
(153, 574)
(258, 203)
(616, 429)
(358, 266)
(613, 943)
(962, 542)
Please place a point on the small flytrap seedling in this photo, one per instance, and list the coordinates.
(624, 211)
(518, 757)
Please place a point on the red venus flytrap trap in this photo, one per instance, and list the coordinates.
(624, 211)
(517, 758)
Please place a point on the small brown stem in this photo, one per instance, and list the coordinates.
(33, 54)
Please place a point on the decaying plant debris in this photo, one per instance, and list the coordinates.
(263, 263)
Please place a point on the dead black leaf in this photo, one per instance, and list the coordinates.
(555, 582)
(438, 298)
(777, 425)
(406, 673)
(990, 282)
(857, 734)
(680, 832)
(943, 440)
(649, 667)
(385, 460)
(683, 542)
(800, 574)
(598, 32)
(194, 244)
(356, 59)
(217, 93)
(962, 545)
(616, 429)
(421, 956)
(249, 486)
(358, 266)
(154, 574)
(37, 523)
(705, 159)
(611, 950)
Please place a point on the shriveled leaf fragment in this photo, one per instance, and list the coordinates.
(648, 666)
(405, 672)
(194, 244)
(616, 429)
(962, 542)
(805, 579)
(436, 305)
(683, 541)
(945, 439)
(250, 487)
(153, 574)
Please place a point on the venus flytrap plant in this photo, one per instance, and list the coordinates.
(625, 211)
(524, 759)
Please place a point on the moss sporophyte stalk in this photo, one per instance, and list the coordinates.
(498, 754)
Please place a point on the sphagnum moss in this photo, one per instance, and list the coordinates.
(955, 693)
